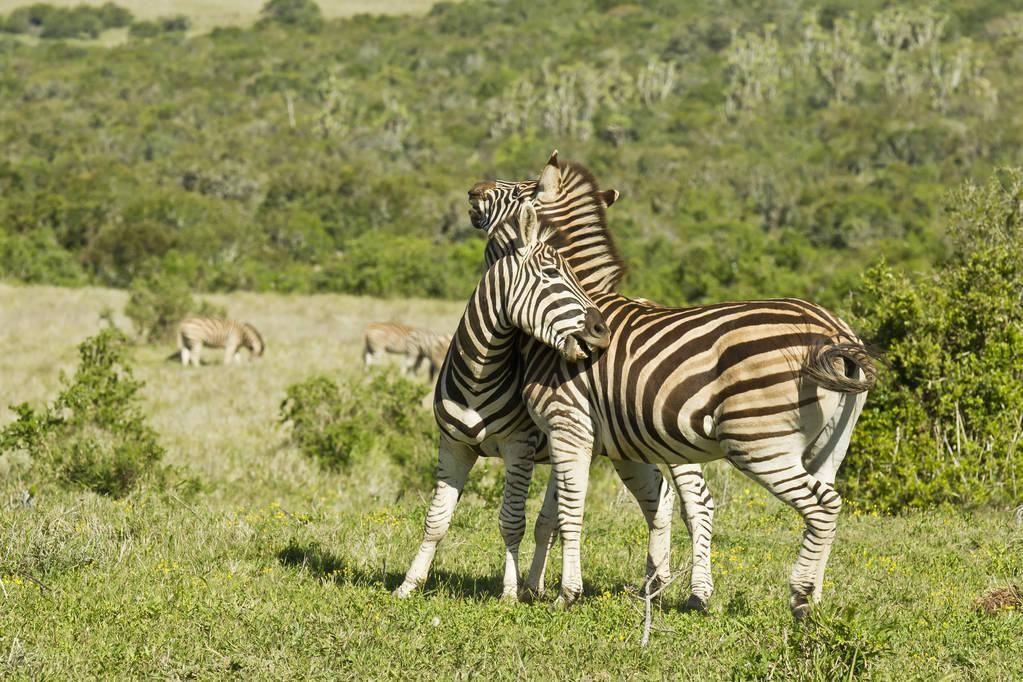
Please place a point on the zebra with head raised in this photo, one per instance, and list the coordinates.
(197, 331)
(584, 241)
(479, 408)
(775, 387)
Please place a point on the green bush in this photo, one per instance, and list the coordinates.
(178, 23)
(95, 434)
(343, 424)
(946, 422)
(159, 301)
(303, 13)
(83, 21)
(36, 257)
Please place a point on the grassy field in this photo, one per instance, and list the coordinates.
(278, 568)
(206, 15)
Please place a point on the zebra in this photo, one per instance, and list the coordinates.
(479, 409)
(593, 257)
(430, 347)
(196, 331)
(416, 345)
(774, 387)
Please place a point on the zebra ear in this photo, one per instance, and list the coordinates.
(529, 225)
(549, 185)
(609, 196)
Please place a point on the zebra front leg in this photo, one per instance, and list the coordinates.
(454, 460)
(518, 463)
(543, 535)
(184, 356)
(229, 352)
(196, 351)
(698, 514)
(571, 451)
(817, 502)
(657, 501)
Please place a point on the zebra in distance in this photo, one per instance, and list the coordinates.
(413, 344)
(579, 220)
(197, 331)
(774, 387)
(429, 347)
(478, 406)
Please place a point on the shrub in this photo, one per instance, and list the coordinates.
(342, 424)
(304, 13)
(150, 29)
(94, 435)
(945, 424)
(82, 21)
(159, 301)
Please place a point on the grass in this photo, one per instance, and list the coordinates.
(206, 15)
(277, 568)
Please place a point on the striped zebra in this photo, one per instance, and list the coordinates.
(569, 202)
(197, 331)
(413, 344)
(775, 387)
(429, 347)
(479, 409)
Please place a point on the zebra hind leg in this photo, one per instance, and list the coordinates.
(656, 499)
(817, 502)
(454, 461)
(698, 514)
(518, 463)
(571, 447)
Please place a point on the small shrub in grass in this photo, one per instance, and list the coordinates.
(159, 301)
(341, 424)
(95, 434)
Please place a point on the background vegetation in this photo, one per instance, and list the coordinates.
(762, 150)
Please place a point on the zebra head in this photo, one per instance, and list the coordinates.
(253, 340)
(545, 299)
(492, 202)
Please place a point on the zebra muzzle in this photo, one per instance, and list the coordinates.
(594, 334)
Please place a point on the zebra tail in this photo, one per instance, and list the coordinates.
(855, 355)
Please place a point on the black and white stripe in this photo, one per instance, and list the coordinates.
(198, 331)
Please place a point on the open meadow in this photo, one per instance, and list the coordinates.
(267, 565)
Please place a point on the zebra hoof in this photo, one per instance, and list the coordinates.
(800, 606)
(530, 595)
(696, 604)
(404, 591)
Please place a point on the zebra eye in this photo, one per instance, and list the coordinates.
(551, 272)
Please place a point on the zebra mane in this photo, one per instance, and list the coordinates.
(579, 219)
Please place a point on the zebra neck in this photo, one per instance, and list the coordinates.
(485, 344)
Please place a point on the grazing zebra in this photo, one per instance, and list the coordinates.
(775, 387)
(430, 347)
(416, 345)
(578, 217)
(479, 409)
(197, 331)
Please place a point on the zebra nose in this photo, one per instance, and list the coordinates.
(596, 329)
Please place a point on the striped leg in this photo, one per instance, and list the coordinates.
(819, 504)
(454, 460)
(543, 535)
(826, 454)
(518, 462)
(698, 514)
(656, 499)
(571, 451)
(229, 352)
(196, 351)
(184, 356)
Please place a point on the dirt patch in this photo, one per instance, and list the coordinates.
(1008, 597)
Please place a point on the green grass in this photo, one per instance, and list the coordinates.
(277, 568)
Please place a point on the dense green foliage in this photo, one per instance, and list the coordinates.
(945, 424)
(95, 434)
(771, 149)
(159, 301)
(150, 29)
(340, 424)
(83, 21)
(303, 13)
